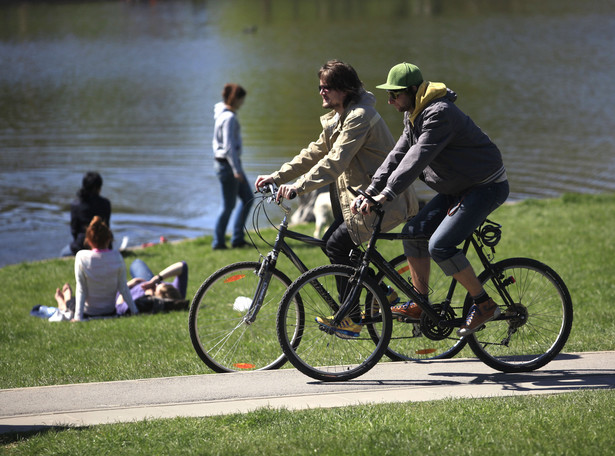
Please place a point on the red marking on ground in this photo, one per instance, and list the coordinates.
(426, 351)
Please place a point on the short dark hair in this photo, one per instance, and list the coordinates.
(232, 92)
(341, 76)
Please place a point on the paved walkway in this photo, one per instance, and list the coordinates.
(215, 394)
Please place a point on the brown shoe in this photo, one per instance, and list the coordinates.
(407, 310)
(479, 315)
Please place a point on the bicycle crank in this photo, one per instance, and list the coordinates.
(442, 329)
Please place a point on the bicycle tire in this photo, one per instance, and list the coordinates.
(408, 343)
(318, 353)
(542, 296)
(218, 331)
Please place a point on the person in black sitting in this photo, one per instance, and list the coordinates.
(88, 204)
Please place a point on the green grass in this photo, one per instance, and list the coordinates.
(572, 234)
(575, 423)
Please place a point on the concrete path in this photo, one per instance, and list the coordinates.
(87, 404)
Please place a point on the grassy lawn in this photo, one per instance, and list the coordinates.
(572, 234)
(576, 424)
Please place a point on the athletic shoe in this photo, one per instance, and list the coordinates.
(392, 296)
(347, 329)
(479, 315)
(407, 310)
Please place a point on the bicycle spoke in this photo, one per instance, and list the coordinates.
(538, 322)
(218, 330)
(323, 353)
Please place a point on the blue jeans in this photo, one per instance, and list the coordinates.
(446, 221)
(231, 189)
(138, 269)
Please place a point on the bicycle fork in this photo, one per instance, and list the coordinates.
(352, 299)
(261, 290)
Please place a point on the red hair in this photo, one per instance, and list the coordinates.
(98, 235)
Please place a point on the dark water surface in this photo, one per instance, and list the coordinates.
(128, 88)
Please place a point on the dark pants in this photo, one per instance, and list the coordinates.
(339, 243)
(338, 248)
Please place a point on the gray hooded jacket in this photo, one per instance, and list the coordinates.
(441, 146)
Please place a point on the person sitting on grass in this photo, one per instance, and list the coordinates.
(100, 274)
(142, 286)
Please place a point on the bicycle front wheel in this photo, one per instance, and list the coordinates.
(408, 343)
(220, 330)
(319, 351)
(534, 328)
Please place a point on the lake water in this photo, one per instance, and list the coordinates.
(128, 88)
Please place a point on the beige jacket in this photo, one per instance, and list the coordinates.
(349, 150)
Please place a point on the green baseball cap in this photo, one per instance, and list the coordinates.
(402, 76)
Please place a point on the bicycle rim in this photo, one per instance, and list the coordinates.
(219, 332)
(408, 343)
(543, 302)
(324, 355)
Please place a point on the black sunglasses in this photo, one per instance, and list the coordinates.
(325, 88)
(393, 94)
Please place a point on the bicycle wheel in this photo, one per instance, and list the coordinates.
(322, 354)
(218, 329)
(539, 320)
(408, 343)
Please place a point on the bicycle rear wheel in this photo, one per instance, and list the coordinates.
(322, 354)
(408, 343)
(542, 319)
(220, 334)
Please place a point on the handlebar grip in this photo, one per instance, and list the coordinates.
(292, 195)
(360, 192)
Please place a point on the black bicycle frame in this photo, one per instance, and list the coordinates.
(270, 261)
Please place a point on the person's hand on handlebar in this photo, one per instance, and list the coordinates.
(286, 191)
(263, 180)
(363, 205)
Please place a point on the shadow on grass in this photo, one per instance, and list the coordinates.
(13, 433)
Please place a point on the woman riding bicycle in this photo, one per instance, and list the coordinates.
(443, 147)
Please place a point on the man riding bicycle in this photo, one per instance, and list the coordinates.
(353, 143)
(444, 148)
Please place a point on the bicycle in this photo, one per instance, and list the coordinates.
(532, 329)
(232, 315)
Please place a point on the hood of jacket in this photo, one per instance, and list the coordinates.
(219, 108)
(427, 92)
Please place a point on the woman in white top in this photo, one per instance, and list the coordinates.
(227, 147)
(100, 275)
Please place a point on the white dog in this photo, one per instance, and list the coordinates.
(322, 213)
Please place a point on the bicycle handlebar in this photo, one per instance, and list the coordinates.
(272, 188)
(377, 207)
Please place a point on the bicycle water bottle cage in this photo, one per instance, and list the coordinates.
(490, 233)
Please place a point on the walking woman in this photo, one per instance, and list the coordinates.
(227, 148)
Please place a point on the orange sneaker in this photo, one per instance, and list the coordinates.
(479, 315)
(407, 310)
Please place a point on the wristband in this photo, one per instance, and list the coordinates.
(159, 278)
